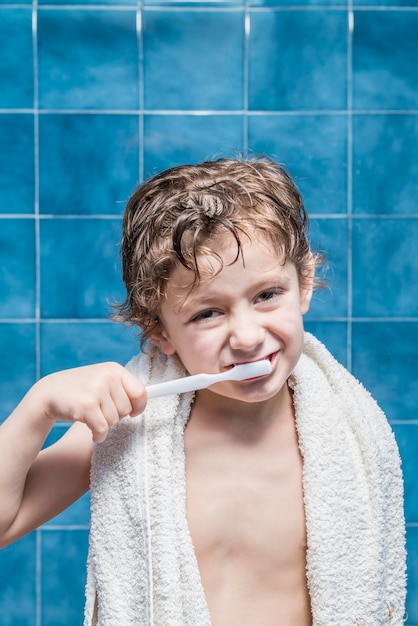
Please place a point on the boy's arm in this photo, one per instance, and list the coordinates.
(36, 485)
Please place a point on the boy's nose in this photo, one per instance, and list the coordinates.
(245, 334)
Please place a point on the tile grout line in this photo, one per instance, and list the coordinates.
(82, 6)
(247, 32)
(116, 216)
(36, 191)
(141, 94)
(213, 112)
(350, 29)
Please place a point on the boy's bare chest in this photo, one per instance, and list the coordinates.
(246, 519)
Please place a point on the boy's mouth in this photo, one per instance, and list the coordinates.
(271, 358)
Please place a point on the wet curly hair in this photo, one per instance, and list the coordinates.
(173, 217)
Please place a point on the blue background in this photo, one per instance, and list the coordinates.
(96, 97)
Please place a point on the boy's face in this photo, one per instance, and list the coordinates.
(251, 310)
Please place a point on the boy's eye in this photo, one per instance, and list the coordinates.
(205, 315)
(265, 296)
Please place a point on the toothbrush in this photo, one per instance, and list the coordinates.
(201, 381)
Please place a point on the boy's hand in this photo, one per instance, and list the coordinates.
(96, 395)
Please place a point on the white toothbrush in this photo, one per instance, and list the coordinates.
(201, 381)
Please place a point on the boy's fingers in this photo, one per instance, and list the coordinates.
(112, 410)
(98, 426)
(136, 393)
(100, 434)
(97, 395)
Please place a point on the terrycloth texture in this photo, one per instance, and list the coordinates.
(142, 569)
(353, 496)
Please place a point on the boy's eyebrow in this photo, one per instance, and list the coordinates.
(204, 298)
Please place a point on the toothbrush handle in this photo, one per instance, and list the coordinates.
(179, 385)
(200, 381)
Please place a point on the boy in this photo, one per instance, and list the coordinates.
(271, 501)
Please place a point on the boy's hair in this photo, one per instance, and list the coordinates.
(173, 217)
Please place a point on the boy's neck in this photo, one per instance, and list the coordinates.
(241, 419)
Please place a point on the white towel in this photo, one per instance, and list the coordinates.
(142, 569)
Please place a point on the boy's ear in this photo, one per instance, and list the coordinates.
(161, 340)
(306, 290)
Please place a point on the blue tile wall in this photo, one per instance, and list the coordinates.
(16, 59)
(310, 72)
(18, 271)
(63, 560)
(18, 350)
(88, 163)
(96, 95)
(18, 582)
(412, 548)
(17, 172)
(187, 50)
(384, 81)
(322, 139)
(90, 247)
(385, 164)
(170, 140)
(97, 52)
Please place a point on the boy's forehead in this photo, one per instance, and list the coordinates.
(224, 244)
(257, 255)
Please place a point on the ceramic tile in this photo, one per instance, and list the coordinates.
(172, 140)
(18, 372)
(79, 269)
(385, 58)
(385, 267)
(333, 335)
(314, 150)
(18, 583)
(312, 71)
(17, 170)
(412, 598)
(194, 3)
(185, 51)
(16, 58)
(64, 555)
(91, 3)
(88, 59)
(383, 4)
(17, 273)
(407, 439)
(65, 344)
(296, 3)
(385, 360)
(89, 164)
(385, 164)
(329, 236)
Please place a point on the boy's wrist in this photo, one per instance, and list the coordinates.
(36, 406)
